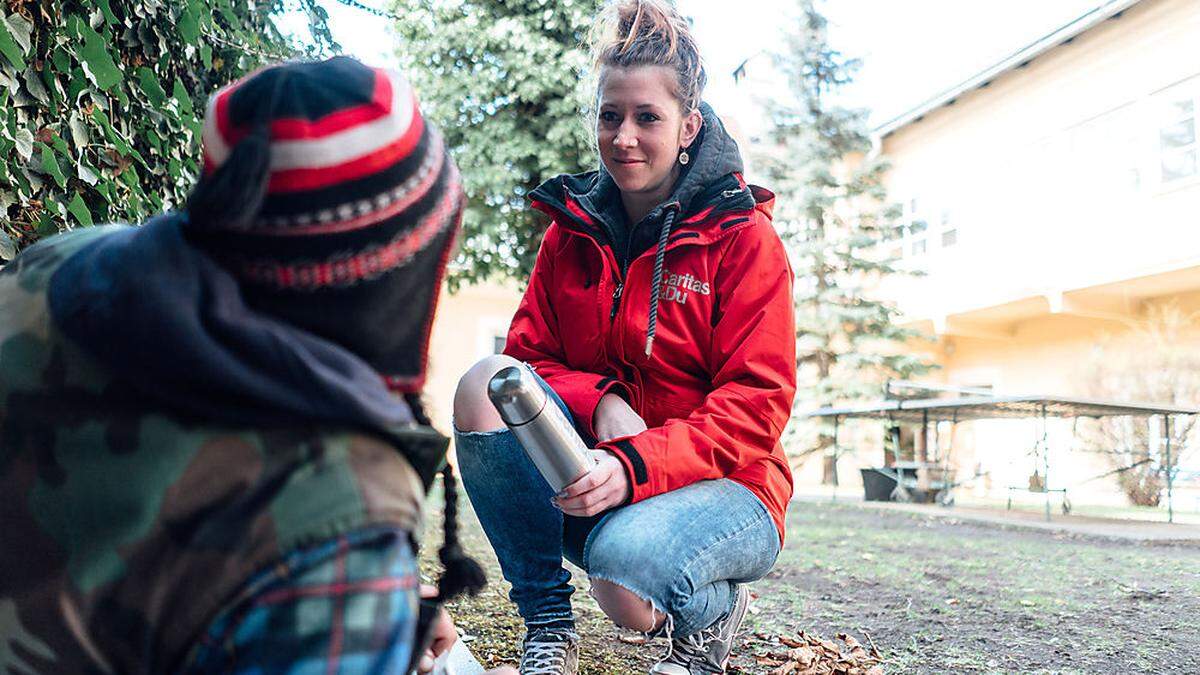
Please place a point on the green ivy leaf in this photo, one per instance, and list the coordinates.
(8, 47)
(151, 86)
(61, 61)
(46, 225)
(183, 98)
(79, 133)
(206, 56)
(189, 26)
(105, 188)
(50, 165)
(24, 142)
(80, 211)
(60, 145)
(108, 13)
(86, 173)
(33, 84)
(8, 248)
(109, 132)
(76, 84)
(21, 29)
(98, 61)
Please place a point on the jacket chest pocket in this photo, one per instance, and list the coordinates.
(581, 312)
(683, 319)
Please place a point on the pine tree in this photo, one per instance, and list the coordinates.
(502, 80)
(834, 214)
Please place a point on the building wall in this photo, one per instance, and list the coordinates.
(467, 327)
(1052, 224)
(1051, 177)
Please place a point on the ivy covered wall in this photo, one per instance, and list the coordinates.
(101, 101)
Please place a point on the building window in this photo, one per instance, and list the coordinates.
(949, 232)
(915, 230)
(1177, 138)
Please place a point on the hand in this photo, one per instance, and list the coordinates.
(444, 633)
(614, 418)
(602, 488)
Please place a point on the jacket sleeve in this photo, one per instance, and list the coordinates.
(533, 338)
(753, 357)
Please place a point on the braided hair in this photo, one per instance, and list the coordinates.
(462, 574)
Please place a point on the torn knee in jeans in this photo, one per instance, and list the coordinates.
(627, 608)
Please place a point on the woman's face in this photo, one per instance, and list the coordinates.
(641, 128)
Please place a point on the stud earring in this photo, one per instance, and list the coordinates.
(683, 157)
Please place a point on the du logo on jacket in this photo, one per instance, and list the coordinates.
(677, 287)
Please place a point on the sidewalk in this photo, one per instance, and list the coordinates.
(1111, 528)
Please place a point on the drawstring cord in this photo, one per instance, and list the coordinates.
(656, 284)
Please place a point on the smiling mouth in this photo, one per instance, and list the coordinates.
(628, 161)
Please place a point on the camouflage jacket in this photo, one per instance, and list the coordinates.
(124, 526)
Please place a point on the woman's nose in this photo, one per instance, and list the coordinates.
(626, 137)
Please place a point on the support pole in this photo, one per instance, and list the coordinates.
(1045, 463)
(833, 497)
(1170, 492)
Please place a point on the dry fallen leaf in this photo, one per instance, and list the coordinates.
(814, 655)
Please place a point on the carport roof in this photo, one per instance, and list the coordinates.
(996, 407)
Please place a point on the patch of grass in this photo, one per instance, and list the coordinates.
(935, 595)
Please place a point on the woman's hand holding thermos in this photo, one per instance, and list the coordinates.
(606, 485)
(588, 481)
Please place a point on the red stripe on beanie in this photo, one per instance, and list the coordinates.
(295, 180)
(224, 126)
(380, 105)
(299, 128)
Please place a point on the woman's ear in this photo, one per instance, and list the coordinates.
(691, 128)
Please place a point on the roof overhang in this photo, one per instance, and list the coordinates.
(1019, 59)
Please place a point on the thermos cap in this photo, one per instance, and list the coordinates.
(516, 394)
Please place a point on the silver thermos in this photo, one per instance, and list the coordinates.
(542, 429)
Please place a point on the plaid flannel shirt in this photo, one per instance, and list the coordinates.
(347, 605)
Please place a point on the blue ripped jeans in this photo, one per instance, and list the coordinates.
(684, 550)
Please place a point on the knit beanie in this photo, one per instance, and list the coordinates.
(334, 203)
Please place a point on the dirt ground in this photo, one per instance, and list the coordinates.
(935, 595)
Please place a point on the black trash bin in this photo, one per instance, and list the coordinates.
(877, 485)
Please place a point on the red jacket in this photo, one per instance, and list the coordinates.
(717, 390)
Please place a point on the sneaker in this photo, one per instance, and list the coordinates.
(550, 651)
(706, 651)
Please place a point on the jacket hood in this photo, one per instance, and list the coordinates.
(166, 317)
(714, 170)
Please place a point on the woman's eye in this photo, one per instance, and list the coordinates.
(646, 118)
(608, 117)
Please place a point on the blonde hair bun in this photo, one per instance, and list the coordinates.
(650, 33)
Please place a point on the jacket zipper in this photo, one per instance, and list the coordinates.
(616, 301)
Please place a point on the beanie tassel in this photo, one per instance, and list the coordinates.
(462, 574)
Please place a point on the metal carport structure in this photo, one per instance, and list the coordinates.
(981, 406)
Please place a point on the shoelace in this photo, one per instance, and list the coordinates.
(691, 648)
(544, 658)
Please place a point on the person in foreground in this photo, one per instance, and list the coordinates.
(659, 315)
(213, 455)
